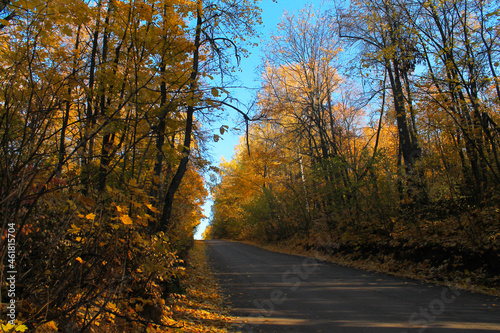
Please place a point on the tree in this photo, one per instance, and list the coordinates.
(457, 46)
(415, 167)
(219, 24)
(388, 42)
(301, 72)
(98, 106)
(312, 132)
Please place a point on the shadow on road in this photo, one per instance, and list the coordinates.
(272, 292)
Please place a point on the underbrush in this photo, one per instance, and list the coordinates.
(191, 304)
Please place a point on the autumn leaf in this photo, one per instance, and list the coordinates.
(126, 219)
(74, 229)
(156, 180)
(51, 326)
(67, 31)
(215, 92)
(223, 129)
(152, 208)
(90, 216)
(4, 22)
(7, 327)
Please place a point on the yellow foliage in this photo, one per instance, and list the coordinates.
(49, 327)
(126, 219)
(18, 327)
(110, 78)
(152, 208)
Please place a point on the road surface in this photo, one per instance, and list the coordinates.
(273, 292)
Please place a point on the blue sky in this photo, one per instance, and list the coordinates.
(272, 13)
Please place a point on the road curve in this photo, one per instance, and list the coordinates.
(273, 292)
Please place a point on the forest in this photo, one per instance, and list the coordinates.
(103, 154)
(380, 140)
(375, 135)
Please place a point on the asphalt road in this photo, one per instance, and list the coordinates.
(274, 292)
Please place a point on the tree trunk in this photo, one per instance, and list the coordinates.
(166, 215)
(409, 149)
(90, 118)
(107, 140)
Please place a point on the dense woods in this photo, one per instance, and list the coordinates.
(103, 153)
(376, 134)
(381, 138)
